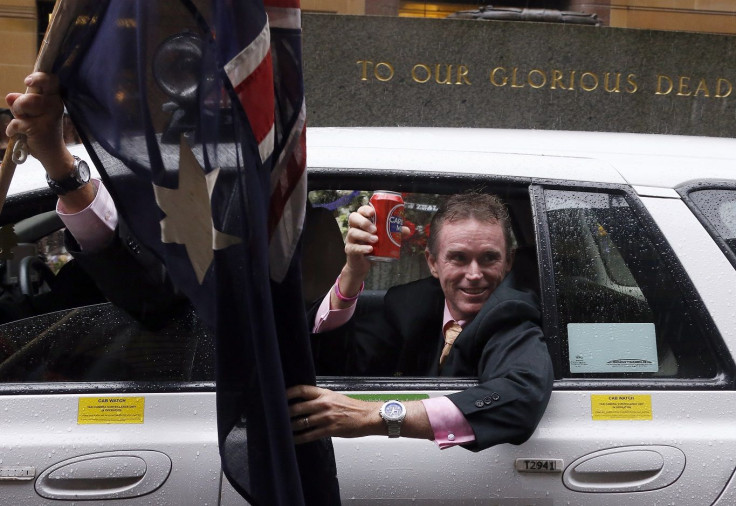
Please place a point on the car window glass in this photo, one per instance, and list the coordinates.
(621, 311)
(103, 343)
(37, 274)
(719, 208)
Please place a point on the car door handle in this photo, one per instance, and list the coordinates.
(625, 469)
(108, 475)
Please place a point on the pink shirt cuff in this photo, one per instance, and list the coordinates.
(328, 319)
(94, 226)
(448, 423)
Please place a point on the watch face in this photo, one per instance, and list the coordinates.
(393, 410)
(83, 169)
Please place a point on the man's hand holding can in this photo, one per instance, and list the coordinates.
(362, 246)
(388, 217)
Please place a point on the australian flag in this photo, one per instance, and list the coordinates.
(194, 111)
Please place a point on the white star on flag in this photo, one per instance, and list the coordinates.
(188, 218)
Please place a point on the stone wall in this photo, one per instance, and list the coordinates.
(18, 31)
(384, 71)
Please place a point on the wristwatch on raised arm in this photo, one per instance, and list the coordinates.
(393, 413)
(75, 180)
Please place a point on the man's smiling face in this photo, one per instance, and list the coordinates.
(470, 262)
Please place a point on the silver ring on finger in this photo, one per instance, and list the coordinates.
(305, 422)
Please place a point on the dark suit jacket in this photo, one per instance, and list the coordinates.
(131, 277)
(503, 347)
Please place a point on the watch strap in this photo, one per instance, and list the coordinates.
(73, 181)
(394, 428)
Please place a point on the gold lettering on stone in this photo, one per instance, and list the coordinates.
(607, 86)
(723, 88)
(514, 84)
(557, 80)
(702, 88)
(448, 74)
(425, 69)
(462, 75)
(383, 71)
(684, 87)
(631, 87)
(364, 73)
(661, 78)
(536, 82)
(504, 79)
(554, 79)
(592, 81)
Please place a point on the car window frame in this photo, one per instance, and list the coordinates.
(410, 181)
(552, 328)
(119, 387)
(20, 206)
(686, 189)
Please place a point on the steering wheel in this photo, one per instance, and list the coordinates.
(25, 270)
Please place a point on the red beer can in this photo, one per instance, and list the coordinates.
(389, 218)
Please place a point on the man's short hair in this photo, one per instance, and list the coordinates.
(482, 207)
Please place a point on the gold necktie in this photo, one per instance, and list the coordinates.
(451, 333)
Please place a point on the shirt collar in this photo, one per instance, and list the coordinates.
(447, 318)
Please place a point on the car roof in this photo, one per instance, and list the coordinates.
(639, 160)
(649, 160)
(30, 175)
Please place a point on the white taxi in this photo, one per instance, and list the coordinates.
(627, 238)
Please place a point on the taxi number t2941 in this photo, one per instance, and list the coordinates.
(539, 465)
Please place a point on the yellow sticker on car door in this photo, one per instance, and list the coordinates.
(621, 407)
(112, 410)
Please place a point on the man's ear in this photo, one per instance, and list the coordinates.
(431, 262)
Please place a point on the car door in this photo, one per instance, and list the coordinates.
(376, 469)
(93, 406)
(642, 406)
(639, 334)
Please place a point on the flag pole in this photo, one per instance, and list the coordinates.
(62, 16)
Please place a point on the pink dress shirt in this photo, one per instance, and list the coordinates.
(448, 423)
(94, 226)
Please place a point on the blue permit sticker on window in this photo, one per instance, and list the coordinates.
(612, 347)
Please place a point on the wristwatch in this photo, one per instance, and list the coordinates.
(78, 178)
(393, 413)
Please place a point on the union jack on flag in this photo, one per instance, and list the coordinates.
(194, 113)
(280, 131)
